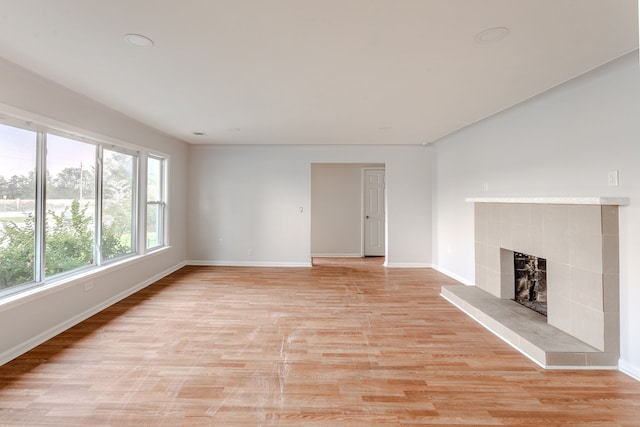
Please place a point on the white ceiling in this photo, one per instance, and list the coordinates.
(313, 71)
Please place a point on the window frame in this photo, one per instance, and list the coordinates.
(97, 178)
(135, 204)
(161, 223)
(42, 128)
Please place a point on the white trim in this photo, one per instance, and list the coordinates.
(454, 276)
(629, 369)
(63, 326)
(608, 201)
(248, 263)
(408, 265)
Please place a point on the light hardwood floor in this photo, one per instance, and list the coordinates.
(345, 343)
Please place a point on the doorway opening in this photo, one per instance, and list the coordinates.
(348, 210)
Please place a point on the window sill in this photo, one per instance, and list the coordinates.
(56, 285)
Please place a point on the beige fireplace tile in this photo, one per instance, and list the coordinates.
(559, 313)
(606, 359)
(612, 331)
(587, 325)
(610, 220)
(507, 275)
(521, 239)
(481, 211)
(481, 277)
(556, 246)
(537, 217)
(555, 218)
(506, 213)
(611, 292)
(521, 214)
(586, 251)
(480, 222)
(493, 212)
(566, 359)
(582, 272)
(585, 219)
(493, 257)
(610, 253)
(537, 242)
(556, 242)
(481, 253)
(537, 237)
(493, 232)
(558, 280)
(533, 335)
(493, 282)
(505, 235)
(586, 288)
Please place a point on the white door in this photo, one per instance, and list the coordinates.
(374, 212)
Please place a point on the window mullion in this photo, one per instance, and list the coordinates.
(136, 201)
(98, 203)
(163, 206)
(143, 183)
(40, 206)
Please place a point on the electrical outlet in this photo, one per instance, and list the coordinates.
(485, 186)
(613, 178)
(88, 286)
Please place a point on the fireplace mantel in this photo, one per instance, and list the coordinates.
(597, 200)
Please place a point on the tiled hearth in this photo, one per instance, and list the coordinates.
(579, 239)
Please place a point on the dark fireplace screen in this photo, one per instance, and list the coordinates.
(531, 281)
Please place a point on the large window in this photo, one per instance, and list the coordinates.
(155, 202)
(18, 150)
(118, 204)
(68, 205)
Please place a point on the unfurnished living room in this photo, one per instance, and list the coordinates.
(319, 213)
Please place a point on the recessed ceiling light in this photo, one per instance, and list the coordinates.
(234, 129)
(199, 133)
(138, 40)
(492, 35)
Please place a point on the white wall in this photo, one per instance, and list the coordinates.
(562, 143)
(248, 200)
(41, 316)
(336, 209)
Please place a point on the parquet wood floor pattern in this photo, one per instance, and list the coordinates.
(345, 343)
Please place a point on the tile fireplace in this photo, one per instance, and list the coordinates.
(558, 256)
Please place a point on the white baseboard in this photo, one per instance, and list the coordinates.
(33, 342)
(407, 265)
(248, 263)
(454, 276)
(629, 369)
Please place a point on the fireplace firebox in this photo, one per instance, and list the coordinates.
(530, 281)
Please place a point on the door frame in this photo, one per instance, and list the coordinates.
(363, 226)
